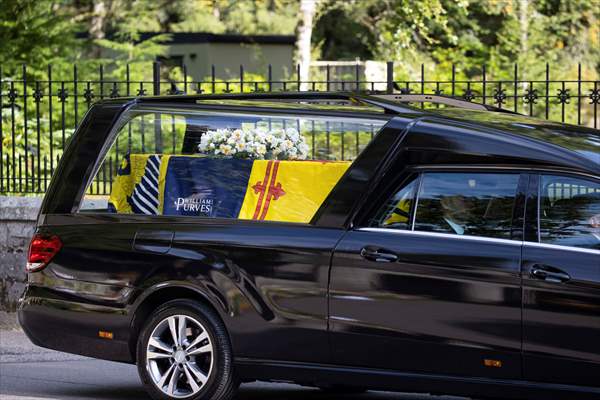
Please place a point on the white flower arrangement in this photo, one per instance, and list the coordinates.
(256, 143)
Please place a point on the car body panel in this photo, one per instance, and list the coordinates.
(272, 277)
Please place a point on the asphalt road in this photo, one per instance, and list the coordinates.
(34, 373)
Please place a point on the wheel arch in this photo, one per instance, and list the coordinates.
(155, 296)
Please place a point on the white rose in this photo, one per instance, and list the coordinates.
(261, 149)
(237, 134)
(240, 146)
(248, 136)
(225, 149)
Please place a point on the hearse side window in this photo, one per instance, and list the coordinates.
(396, 212)
(470, 204)
(569, 212)
(225, 165)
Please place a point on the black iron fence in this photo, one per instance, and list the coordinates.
(39, 116)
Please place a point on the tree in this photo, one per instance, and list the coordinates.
(336, 36)
(303, 39)
(37, 33)
(97, 25)
(123, 23)
(246, 17)
(469, 33)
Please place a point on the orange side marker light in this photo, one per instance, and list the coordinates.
(492, 363)
(105, 335)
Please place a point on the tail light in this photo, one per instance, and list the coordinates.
(41, 250)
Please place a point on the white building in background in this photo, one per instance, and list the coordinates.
(200, 51)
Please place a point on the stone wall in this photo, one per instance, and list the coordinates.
(17, 221)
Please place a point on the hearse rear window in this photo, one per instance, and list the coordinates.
(225, 165)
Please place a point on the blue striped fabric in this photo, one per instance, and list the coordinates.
(144, 199)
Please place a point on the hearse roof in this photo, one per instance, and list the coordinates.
(583, 141)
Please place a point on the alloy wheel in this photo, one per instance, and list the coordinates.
(179, 356)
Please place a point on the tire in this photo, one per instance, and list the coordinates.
(167, 365)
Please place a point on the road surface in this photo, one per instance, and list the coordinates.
(33, 373)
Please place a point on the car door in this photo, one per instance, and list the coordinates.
(430, 281)
(561, 280)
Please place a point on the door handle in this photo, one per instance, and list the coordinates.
(549, 274)
(378, 255)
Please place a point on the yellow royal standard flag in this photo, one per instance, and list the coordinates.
(289, 191)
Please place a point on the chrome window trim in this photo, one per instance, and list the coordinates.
(562, 247)
(507, 168)
(442, 235)
(478, 239)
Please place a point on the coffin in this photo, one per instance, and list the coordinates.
(200, 186)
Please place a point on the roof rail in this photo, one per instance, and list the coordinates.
(435, 99)
(389, 102)
(352, 97)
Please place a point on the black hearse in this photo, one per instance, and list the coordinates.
(339, 240)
